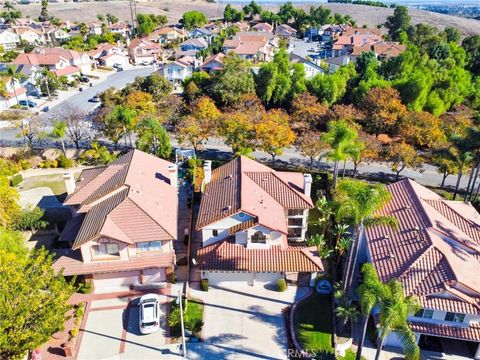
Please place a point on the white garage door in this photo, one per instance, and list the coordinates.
(235, 278)
(112, 282)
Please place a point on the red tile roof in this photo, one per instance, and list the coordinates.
(244, 185)
(471, 332)
(228, 256)
(69, 70)
(72, 265)
(434, 250)
(130, 200)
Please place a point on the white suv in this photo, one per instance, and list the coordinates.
(149, 314)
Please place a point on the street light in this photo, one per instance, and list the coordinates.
(180, 301)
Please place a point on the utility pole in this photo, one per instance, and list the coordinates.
(184, 347)
(133, 13)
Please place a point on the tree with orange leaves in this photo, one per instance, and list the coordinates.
(274, 133)
(383, 109)
(141, 102)
(402, 155)
(307, 113)
(422, 129)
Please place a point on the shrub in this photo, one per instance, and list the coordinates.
(85, 288)
(73, 332)
(204, 284)
(64, 162)
(281, 285)
(24, 164)
(31, 220)
(17, 179)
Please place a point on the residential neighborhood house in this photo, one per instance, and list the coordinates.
(124, 222)
(435, 253)
(249, 217)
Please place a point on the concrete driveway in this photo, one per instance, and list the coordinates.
(243, 322)
(111, 331)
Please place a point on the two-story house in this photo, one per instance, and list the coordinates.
(383, 50)
(179, 70)
(29, 34)
(8, 39)
(203, 33)
(120, 28)
(124, 223)
(109, 55)
(263, 27)
(252, 45)
(249, 216)
(213, 63)
(285, 31)
(311, 68)
(355, 37)
(435, 253)
(144, 51)
(168, 35)
(192, 46)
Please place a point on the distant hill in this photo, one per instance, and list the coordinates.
(369, 15)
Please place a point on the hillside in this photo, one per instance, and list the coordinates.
(371, 16)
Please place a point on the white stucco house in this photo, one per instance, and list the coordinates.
(124, 223)
(248, 219)
(8, 39)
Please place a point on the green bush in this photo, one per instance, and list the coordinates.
(204, 284)
(281, 285)
(64, 162)
(85, 288)
(24, 164)
(31, 220)
(15, 180)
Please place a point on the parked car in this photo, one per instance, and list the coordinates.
(95, 99)
(119, 68)
(146, 63)
(27, 103)
(84, 79)
(117, 65)
(149, 313)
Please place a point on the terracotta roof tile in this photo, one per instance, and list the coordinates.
(471, 332)
(246, 185)
(72, 265)
(228, 256)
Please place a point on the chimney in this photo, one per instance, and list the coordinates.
(307, 184)
(207, 170)
(173, 174)
(69, 182)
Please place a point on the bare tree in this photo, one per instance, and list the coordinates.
(30, 128)
(76, 126)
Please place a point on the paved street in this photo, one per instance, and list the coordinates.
(243, 323)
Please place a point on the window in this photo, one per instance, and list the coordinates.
(295, 212)
(259, 238)
(295, 222)
(424, 313)
(149, 246)
(294, 232)
(454, 317)
(215, 233)
(106, 249)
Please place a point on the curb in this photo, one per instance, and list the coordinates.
(298, 347)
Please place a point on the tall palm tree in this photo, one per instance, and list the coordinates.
(345, 313)
(394, 310)
(14, 76)
(357, 202)
(370, 294)
(340, 137)
(152, 137)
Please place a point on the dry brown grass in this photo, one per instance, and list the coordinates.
(174, 9)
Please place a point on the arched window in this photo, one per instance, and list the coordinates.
(259, 238)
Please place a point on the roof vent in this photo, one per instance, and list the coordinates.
(417, 228)
(386, 237)
(391, 256)
(264, 179)
(407, 207)
(229, 176)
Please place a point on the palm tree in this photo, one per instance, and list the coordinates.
(152, 137)
(357, 202)
(340, 137)
(345, 313)
(325, 214)
(394, 309)
(58, 132)
(318, 240)
(14, 76)
(370, 294)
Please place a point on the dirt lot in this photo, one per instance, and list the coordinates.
(174, 9)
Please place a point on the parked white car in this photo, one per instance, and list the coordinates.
(149, 313)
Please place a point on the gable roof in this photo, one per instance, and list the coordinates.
(381, 48)
(244, 185)
(436, 247)
(130, 200)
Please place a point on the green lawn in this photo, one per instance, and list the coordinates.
(54, 182)
(313, 324)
